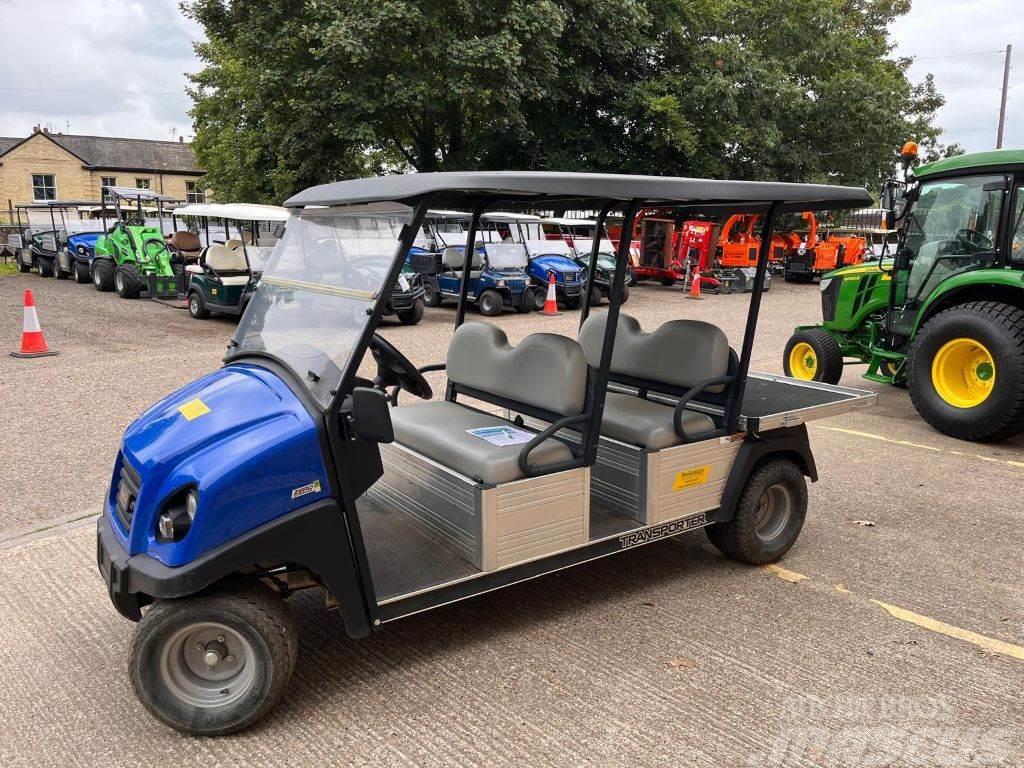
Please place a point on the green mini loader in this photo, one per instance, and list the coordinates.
(132, 256)
(944, 315)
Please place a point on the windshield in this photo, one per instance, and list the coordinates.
(505, 255)
(318, 288)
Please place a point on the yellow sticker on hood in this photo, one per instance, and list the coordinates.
(193, 409)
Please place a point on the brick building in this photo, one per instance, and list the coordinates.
(56, 166)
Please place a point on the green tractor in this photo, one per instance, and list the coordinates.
(944, 317)
(132, 255)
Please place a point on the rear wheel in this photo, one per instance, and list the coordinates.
(528, 304)
(769, 515)
(431, 295)
(813, 355)
(46, 267)
(965, 371)
(490, 303)
(196, 306)
(668, 282)
(81, 272)
(24, 268)
(127, 281)
(103, 274)
(214, 663)
(412, 316)
(595, 295)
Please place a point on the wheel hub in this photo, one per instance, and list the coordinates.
(773, 512)
(803, 361)
(207, 664)
(963, 373)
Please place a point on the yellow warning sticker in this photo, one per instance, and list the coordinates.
(193, 409)
(688, 478)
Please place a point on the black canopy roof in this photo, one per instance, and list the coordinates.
(463, 189)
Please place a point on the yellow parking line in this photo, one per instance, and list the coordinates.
(907, 443)
(987, 643)
(984, 642)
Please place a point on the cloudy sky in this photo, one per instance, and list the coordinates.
(116, 67)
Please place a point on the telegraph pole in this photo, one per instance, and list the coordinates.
(1002, 100)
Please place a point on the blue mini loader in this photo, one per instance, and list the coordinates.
(496, 275)
(289, 469)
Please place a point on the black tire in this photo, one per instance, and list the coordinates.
(630, 277)
(81, 272)
(197, 306)
(127, 281)
(412, 316)
(625, 294)
(668, 282)
(540, 296)
(797, 277)
(768, 517)
(573, 303)
(252, 619)
(490, 303)
(103, 274)
(45, 267)
(889, 368)
(431, 294)
(528, 304)
(59, 273)
(828, 357)
(24, 268)
(595, 295)
(1000, 329)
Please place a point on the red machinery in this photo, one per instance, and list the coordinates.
(669, 251)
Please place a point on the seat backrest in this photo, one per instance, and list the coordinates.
(185, 241)
(233, 243)
(680, 353)
(454, 257)
(545, 370)
(220, 258)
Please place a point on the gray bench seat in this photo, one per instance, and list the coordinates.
(437, 430)
(637, 421)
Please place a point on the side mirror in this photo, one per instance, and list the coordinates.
(370, 417)
(903, 258)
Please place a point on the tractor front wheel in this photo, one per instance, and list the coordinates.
(103, 274)
(813, 354)
(965, 371)
(127, 281)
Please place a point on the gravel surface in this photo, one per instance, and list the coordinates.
(668, 655)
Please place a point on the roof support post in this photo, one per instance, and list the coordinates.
(467, 261)
(595, 249)
(735, 401)
(592, 429)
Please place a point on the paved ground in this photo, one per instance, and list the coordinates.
(893, 644)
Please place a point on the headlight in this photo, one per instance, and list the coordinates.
(500, 283)
(81, 250)
(176, 518)
(825, 283)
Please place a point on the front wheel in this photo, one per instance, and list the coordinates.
(81, 272)
(412, 316)
(46, 267)
(813, 355)
(127, 281)
(490, 303)
(668, 282)
(431, 295)
(573, 303)
(595, 295)
(528, 303)
(103, 274)
(769, 516)
(197, 307)
(965, 371)
(630, 277)
(214, 663)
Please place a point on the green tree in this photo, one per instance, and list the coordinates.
(298, 93)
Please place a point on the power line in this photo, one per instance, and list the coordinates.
(959, 55)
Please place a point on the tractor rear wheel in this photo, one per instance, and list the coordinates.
(127, 281)
(813, 354)
(103, 274)
(965, 371)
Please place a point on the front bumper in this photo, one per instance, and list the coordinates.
(112, 560)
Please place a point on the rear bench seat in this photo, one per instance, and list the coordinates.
(679, 355)
(545, 370)
(228, 264)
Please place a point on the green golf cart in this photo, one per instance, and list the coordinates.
(944, 316)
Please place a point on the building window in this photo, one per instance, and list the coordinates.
(142, 183)
(44, 186)
(107, 181)
(194, 193)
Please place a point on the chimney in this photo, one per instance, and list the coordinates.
(181, 139)
(46, 130)
(35, 129)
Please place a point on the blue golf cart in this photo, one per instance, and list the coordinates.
(295, 466)
(497, 278)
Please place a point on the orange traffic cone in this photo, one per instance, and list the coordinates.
(550, 303)
(32, 342)
(694, 287)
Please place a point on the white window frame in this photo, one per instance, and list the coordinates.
(43, 186)
(194, 193)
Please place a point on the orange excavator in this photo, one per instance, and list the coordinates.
(809, 257)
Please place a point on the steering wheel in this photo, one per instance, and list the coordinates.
(394, 368)
(973, 240)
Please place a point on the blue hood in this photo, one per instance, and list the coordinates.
(85, 239)
(556, 263)
(240, 436)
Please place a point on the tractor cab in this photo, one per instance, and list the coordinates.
(132, 256)
(319, 457)
(945, 315)
(221, 276)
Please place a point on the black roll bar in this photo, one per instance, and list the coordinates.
(467, 261)
(595, 249)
